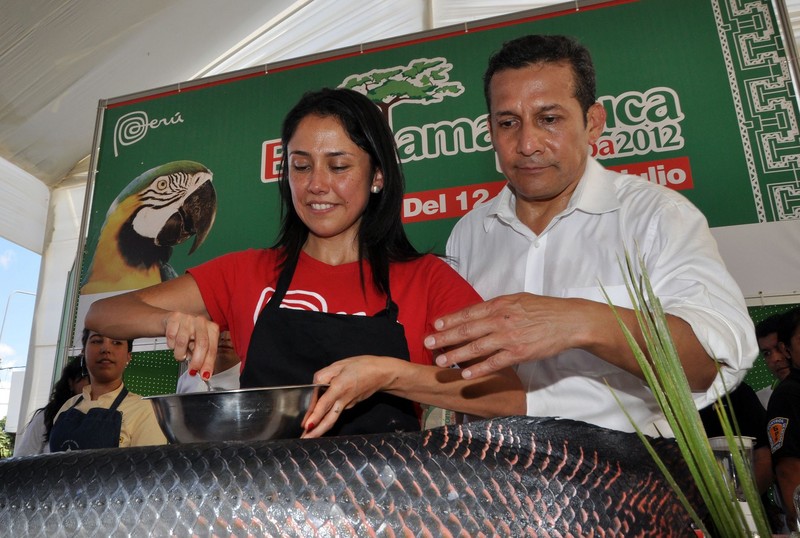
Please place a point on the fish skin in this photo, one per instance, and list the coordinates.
(516, 476)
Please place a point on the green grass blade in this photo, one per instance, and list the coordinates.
(663, 372)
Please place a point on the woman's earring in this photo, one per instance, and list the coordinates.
(375, 189)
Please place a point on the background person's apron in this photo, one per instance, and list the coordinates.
(97, 428)
(288, 346)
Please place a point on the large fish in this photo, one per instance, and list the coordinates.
(517, 476)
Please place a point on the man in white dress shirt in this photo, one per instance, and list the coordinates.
(540, 251)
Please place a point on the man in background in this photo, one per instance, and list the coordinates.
(226, 370)
(776, 361)
(783, 417)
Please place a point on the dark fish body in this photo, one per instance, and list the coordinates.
(517, 476)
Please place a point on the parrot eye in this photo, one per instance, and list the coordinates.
(162, 184)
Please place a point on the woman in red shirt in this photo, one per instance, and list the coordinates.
(342, 298)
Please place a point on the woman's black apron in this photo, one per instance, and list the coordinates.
(97, 428)
(288, 346)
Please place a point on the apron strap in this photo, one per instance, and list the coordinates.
(118, 400)
(79, 400)
(282, 285)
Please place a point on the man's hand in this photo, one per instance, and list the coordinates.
(507, 330)
(512, 329)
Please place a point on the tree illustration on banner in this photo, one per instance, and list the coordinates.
(422, 81)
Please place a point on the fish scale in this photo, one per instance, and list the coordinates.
(515, 476)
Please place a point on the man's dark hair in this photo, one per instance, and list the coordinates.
(534, 49)
(768, 325)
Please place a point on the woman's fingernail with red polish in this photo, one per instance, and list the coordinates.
(193, 372)
(310, 426)
(206, 375)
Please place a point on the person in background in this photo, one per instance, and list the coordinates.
(751, 415)
(35, 438)
(343, 298)
(783, 417)
(751, 418)
(105, 414)
(226, 370)
(540, 251)
(776, 361)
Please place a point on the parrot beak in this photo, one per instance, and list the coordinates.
(194, 217)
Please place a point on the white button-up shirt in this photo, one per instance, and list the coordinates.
(579, 251)
(225, 380)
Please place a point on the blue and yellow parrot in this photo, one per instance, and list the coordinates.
(161, 208)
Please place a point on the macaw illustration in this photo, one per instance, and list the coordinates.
(161, 208)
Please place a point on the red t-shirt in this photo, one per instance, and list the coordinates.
(236, 286)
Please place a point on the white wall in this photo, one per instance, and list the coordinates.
(58, 256)
(763, 260)
(11, 410)
(23, 207)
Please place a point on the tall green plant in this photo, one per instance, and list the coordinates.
(666, 378)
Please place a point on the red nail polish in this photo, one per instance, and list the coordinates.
(192, 372)
(206, 375)
(310, 426)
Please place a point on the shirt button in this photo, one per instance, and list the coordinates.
(536, 244)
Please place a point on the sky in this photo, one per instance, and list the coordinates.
(19, 279)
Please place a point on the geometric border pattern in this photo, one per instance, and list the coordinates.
(766, 102)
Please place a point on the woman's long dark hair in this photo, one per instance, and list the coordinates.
(381, 237)
(62, 391)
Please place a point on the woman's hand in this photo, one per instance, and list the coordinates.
(174, 309)
(351, 380)
(194, 339)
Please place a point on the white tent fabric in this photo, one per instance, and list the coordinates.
(58, 59)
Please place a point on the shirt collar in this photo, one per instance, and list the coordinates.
(87, 393)
(594, 194)
(501, 207)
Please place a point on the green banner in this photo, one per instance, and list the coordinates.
(698, 95)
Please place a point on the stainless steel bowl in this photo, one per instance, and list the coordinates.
(235, 415)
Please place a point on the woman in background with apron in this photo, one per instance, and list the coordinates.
(105, 414)
(35, 438)
(343, 298)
